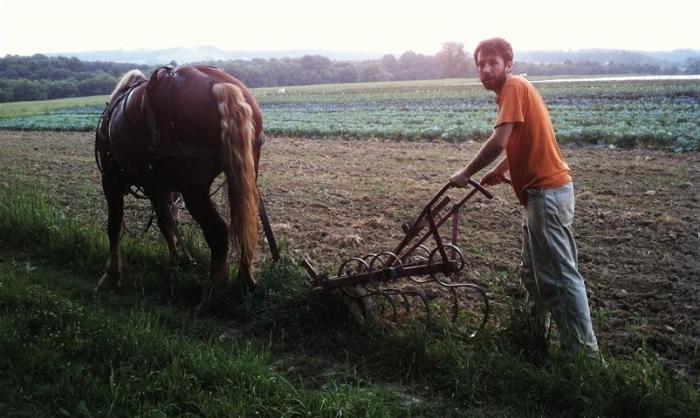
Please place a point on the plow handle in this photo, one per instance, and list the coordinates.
(472, 183)
(481, 188)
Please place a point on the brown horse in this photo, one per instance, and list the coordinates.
(177, 131)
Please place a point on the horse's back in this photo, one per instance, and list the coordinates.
(184, 108)
(172, 123)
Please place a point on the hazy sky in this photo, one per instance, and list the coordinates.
(29, 26)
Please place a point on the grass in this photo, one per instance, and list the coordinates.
(73, 358)
(21, 109)
(277, 350)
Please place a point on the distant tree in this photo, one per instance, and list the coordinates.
(28, 90)
(316, 69)
(6, 95)
(101, 84)
(345, 73)
(693, 66)
(453, 61)
(414, 66)
(39, 77)
(390, 64)
(372, 71)
(62, 88)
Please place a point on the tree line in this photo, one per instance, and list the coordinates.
(39, 77)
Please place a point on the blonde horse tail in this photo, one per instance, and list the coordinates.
(237, 137)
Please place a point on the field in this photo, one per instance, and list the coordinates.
(331, 199)
(656, 113)
(345, 166)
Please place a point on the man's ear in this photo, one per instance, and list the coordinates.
(509, 65)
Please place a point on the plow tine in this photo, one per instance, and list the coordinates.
(420, 295)
(482, 296)
(394, 312)
(406, 302)
(455, 304)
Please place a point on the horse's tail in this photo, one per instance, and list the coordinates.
(237, 137)
(127, 79)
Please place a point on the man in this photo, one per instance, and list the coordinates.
(542, 183)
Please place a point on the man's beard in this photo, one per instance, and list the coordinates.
(494, 83)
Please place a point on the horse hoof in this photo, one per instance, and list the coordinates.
(205, 303)
(106, 282)
(248, 279)
(202, 308)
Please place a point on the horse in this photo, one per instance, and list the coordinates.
(176, 132)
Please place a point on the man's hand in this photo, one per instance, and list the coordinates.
(493, 178)
(459, 179)
(492, 148)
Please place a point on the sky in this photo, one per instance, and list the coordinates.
(371, 26)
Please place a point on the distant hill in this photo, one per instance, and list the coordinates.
(183, 55)
(620, 56)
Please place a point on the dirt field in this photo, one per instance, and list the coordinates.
(636, 220)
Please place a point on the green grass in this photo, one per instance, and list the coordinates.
(278, 350)
(63, 357)
(21, 109)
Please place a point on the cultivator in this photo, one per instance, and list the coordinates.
(414, 280)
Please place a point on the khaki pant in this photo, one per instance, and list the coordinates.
(550, 269)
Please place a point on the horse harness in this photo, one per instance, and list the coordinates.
(158, 150)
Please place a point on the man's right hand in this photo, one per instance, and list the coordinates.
(459, 179)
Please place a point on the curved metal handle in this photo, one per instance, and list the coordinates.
(481, 188)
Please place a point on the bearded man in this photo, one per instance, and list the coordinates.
(542, 183)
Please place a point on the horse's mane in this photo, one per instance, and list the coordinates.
(126, 80)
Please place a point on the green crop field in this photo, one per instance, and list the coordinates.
(657, 113)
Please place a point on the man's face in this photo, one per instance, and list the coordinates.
(493, 71)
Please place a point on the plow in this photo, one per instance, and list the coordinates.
(421, 278)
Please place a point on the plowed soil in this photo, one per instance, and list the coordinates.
(636, 220)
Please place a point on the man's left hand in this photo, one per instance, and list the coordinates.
(493, 178)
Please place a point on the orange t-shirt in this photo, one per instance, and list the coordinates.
(534, 157)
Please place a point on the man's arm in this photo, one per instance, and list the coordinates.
(492, 148)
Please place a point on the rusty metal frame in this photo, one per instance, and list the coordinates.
(383, 274)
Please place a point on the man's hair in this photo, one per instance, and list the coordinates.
(497, 46)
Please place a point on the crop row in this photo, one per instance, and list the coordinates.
(660, 113)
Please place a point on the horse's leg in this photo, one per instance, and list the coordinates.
(113, 185)
(245, 272)
(168, 213)
(203, 211)
(166, 223)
